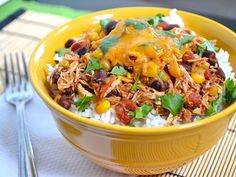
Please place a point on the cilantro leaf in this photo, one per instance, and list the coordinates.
(155, 20)
(103, 24)
(94, 64)
(83, 103)
(118, 70)
(146, 44)
(229, 91)
(172, 102)
(214, 106)
(207, 45)
(184, 40)
(141, 112)
(136, 24)
(62, 51)
(108, 43)
(165, 33)
(135, 86)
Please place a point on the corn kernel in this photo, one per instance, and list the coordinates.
(205, 65)
(198, 78)
(150, 69)
(213, 91)
(97, 53)
(64, 63)
(106, 65)
(102, 106)
(93, 36)
(174, 69)
(128, 75)
(122, 78)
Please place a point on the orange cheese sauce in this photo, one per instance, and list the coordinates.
(132, 51)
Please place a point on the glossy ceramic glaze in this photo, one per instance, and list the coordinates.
(127, 149)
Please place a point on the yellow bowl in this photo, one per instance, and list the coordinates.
(127, 149)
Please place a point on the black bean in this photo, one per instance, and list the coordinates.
(55, 77)
(110, 26)
(170, 26)
(167, 86)
(69, 43)
(99, 76)
(157, 85)
(209, 54)
(188, 67)
(220, 73)
(114, 92)
(82, 51)
(211, 57)
(65, 101)
(53, 90)
(129, 68)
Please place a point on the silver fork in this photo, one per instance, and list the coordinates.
(18, 92)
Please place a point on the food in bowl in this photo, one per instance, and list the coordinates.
(142, 72)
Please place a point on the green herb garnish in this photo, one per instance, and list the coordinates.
(146, 44)
(94, 64)
(165, 33)
(136, 24)
(83, 103)
(214, 106)
(141, 112)
(184, 40)
(103, 24)
(118, 70)
(207, 45)
(229, 91)
(108, 43)
(62, 51)
(135, 86)
(155, 20)
(172, 102)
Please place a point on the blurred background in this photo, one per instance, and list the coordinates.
(223, 11)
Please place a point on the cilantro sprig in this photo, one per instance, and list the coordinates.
(229, 91)
(155, 20)
(207, 45)
(136, 24)
(103, 24)
(62, 51)
(107, 43)
(214, 106)
(184, 40)
(83, 103)
(165, 33)
(135, 86)
(94, 64)
(141, 112)
(172, 102)
(118, 70)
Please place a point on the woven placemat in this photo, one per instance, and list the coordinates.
(22, 32)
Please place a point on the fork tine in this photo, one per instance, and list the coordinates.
(25, 67)
(6, 71)
(18, 67)
(12, 70)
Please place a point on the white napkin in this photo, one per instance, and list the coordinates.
(54, 156)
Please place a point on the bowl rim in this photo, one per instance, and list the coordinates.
(125, 129)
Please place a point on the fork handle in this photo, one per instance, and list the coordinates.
(26, 162)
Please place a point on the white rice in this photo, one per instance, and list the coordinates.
(152, 119)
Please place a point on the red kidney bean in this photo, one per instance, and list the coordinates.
(188, 67)
(193, 99)
(79, 44)
(220, 73)
(188, 56)
(55, 77)
(162, 25)
(170, 26)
